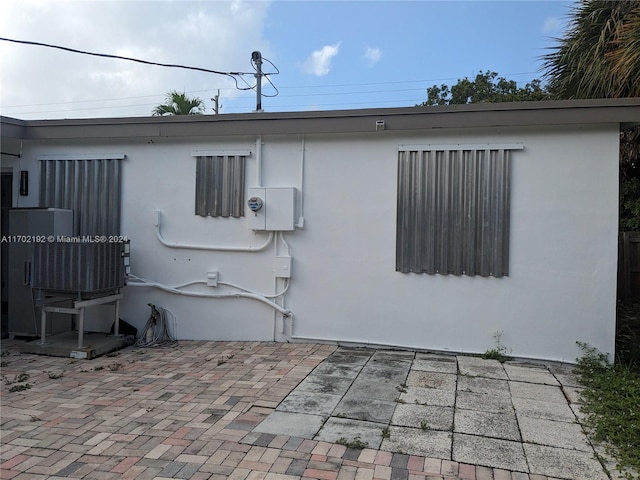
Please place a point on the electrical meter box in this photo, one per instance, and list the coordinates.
(272, 208)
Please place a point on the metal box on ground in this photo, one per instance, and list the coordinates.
(29, 227)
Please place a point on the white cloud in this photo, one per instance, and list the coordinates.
(319, 62)
(50, 83)
(372, 56)
(552, 25)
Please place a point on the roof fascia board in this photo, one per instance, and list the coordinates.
(572, 112)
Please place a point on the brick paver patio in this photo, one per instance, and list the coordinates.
(186, 412)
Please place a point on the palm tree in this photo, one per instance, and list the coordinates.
(599, 56)
(179, 104)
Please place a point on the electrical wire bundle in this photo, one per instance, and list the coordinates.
(156, 331)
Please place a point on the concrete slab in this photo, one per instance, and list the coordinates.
(384, 390)
(368, 409)
(577, 411)
(347, 356)
(395, 376)
(564, 372)
(530, 374)
(572, 394)
(487, 424)
(489, 452)
(501, 414)
(417, 378)
(424, 417)
(546, 393)
(337, 429)
(526, 407)
(413, 441)
(338, 370)
(392, 358)
(554, 434)
(562, 463)
(489, 386)
(484, 402)
(479, 367)
(428, 396)
(435, 363)
(293, 424)
(66, 345)
(568, 379)
(321, 404)
(325, 384)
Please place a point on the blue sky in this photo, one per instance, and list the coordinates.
(330, 54)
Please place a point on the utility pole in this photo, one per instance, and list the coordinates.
(257, 59)
(216, 104)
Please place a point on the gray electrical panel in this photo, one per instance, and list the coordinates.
(28, 226)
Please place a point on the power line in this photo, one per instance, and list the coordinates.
(233, 75)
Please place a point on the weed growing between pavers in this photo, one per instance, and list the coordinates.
(499, 352)
(356, 443)
(17, 383)
(612, 406)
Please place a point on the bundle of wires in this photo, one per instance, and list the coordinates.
(156, 331)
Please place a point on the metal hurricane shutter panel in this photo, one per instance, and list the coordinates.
(453, 211)
(220, 186)
(90, 187)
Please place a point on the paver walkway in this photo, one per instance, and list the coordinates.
(196, 411)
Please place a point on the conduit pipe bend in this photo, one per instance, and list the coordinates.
(229, 284)
(219, 248)
(139, 282)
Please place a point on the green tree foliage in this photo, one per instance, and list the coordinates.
(487, 87)
(179, 104)
(599, 57)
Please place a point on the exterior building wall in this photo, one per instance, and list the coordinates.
(562, 277)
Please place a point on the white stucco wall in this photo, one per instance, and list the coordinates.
(562, 282)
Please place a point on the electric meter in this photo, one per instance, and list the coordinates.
(255, 204)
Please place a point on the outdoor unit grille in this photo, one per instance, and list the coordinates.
(82, 268)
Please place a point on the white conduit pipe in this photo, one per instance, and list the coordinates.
(228, 284)
(219, 248)
(259, 161)
(145, 283)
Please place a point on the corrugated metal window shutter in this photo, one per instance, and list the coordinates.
(91, 187)
(220, 185)
(453, 211)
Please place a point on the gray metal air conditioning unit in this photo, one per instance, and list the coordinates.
(85, 269)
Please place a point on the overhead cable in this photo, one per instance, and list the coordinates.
(232, 75)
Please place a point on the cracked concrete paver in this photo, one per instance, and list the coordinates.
(489, 424)
(480, 367)
(562, 463)
(459, 409)
(554, 434)
(530, 374)
(424, 417)
(430, 443)
(490, 452)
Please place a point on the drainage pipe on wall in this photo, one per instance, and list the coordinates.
(219, 248)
